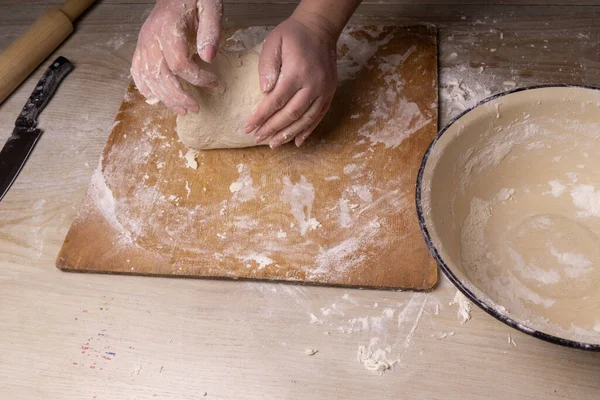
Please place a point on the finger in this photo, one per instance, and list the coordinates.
(137, 77)
(164, 85)
(176, 54)
(279, 139)
(309, 117)
(269, 63)
(146, 76)
(302, 136)
(271, 103)
(210, 13)
(293, 111)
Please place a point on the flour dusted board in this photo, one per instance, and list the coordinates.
(338, 211)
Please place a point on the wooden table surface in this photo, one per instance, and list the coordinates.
(79, 336)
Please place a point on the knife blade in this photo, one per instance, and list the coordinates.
(25, 135)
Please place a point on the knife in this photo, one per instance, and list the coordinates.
(25, 135)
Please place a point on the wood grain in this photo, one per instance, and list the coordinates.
(149, 214)
(180, 338)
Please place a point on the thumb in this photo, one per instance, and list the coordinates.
(210, 13)
(269, 63)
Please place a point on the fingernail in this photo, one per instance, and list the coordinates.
(194, 109)
(264, 81)
(249, 128)
(179, 110)
(260, 139)
(208, 53)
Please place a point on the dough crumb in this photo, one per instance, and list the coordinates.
(375, 362)
(310, 352)
(464, 307)
(190, 159)
(136, 370)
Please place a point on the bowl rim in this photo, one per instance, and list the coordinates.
(442, 264)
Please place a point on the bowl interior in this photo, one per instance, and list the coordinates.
(510, 198)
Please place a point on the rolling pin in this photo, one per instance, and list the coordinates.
(30, 49)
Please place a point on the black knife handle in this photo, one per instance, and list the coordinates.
(43, 92)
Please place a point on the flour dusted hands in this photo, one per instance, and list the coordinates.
(297, 70)
(163, 51)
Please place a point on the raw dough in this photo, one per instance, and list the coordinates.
(224, 111)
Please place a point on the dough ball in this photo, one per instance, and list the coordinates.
(224, 111)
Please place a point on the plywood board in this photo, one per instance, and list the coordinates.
(338, 211)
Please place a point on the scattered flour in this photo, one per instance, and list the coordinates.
(242, 189)
(556, 188)
(373, 361)
(260, 259)
(464, 307)
(310, 352)
(190, 159)
(587, 199)
(300, 197)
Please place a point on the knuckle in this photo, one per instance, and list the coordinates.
(178, 66)
(278, 103)
(311, 117)
(293, 115)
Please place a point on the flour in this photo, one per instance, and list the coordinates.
(344, 219)
(349, 168)
(464, 307)
(236, 187)
(587, 199)
(505, 194)
(310, 352)
(473, 245)
(530, 271)
(557, 188)
(107, 205)
(340, 257)
(355, 51)
(363, 193)
(243, 189)
(314, 320)
(260, 259)
(393, 118)
(496, 149)
(300, 197)
(373, 361)
(190, 159)
(577, 265)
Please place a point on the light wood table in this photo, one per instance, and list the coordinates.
(77, 336)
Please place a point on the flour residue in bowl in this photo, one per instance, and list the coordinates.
(529, 217)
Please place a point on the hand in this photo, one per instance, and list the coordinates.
(297, 70)
(163, 51)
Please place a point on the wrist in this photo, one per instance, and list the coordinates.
(317, 23)
(327, 16)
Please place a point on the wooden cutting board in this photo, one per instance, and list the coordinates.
(338, 211)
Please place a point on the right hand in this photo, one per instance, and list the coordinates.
(163, 51)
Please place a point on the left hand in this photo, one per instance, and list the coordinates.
(298, 71)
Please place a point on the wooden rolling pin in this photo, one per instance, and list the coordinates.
(30, 49)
